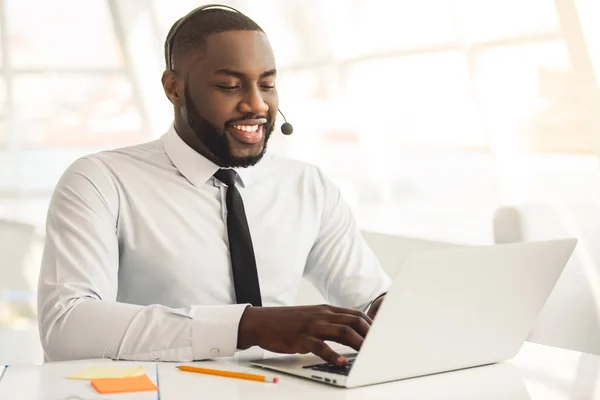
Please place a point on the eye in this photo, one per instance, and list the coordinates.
(228, 88)
(268, 86)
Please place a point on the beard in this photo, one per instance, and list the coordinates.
(216, 141)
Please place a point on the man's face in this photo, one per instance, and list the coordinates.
(230, 97)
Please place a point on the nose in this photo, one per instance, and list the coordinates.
(253, 102)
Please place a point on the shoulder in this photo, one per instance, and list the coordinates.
(105, 163)
(99, 171)
(145, 153)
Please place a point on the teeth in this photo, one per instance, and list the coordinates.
(246, 128)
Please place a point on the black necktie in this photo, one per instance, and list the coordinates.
(243, 263)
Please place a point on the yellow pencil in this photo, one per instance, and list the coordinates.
(229, 374)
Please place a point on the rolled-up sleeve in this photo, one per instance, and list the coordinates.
(79, 316)
(340, 264)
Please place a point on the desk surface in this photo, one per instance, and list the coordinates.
(538, 372)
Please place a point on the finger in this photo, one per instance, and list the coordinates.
(321, 349)
(357, 323)
(342, 334)
(348, 311)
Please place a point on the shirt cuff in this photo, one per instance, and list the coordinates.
(215, 331)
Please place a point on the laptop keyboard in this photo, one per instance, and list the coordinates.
(332, 369)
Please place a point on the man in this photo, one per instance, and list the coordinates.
(148, 249)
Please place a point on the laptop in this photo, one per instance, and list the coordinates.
(447, 310)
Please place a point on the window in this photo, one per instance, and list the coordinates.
(76, 34)
(71, 87)
(75, 110)
(489, 20)
(419, 100)
(530, 98)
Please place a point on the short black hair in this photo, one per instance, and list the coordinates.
(192, 34)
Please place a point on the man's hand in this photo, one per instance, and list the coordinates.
(303, 330)
(375, 307)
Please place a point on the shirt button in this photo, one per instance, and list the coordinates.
(214, 352)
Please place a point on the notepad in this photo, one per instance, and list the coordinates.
(124, 385)
(106, 372)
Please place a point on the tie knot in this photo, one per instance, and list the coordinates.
(227, 176)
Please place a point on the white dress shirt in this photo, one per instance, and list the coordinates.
(136, 262)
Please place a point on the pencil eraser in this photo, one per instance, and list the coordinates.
(276, 380)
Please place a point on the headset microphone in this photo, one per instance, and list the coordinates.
(286, 127)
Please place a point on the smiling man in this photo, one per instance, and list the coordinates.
(193, 246)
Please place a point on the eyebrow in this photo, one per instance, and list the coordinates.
(240, 75)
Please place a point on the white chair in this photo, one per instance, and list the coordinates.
(571, 317)
(390, 250)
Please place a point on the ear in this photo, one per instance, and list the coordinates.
(173, 87)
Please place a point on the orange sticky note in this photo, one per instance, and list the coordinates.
(124, 385)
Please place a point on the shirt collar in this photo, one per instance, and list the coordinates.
(194, 166)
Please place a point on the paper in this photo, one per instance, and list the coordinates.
(47, 381)
(124, 385)
(105, 372)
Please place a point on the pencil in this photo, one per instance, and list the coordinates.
(229, 374)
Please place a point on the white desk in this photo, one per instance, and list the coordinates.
(18, 346)
(537, 373)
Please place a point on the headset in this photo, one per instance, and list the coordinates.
(286, 128)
